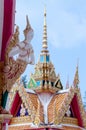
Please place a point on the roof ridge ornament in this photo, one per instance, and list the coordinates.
(76, 77)
(28, 26)
(67, 83)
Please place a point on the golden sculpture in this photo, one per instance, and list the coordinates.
(11, 69)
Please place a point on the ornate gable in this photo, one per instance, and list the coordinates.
(32, 83)
(58, 83)
(22, 104)
(64, 104)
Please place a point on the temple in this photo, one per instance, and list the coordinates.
(44, 104)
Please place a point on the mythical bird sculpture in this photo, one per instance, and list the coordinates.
(24, 48)
(13, 68)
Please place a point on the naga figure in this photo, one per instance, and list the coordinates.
(13, 68)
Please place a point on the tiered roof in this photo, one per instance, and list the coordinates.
(45, 75)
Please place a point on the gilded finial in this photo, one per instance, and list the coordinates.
(28, 26)
(44, 16)
(58, 76)
(49, 84)
(44, 43)
(45, 85)
(67, 84)
(17, 29)
(16, 34)
(76, 78)
(27, 20)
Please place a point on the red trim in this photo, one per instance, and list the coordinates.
(37, 129)
(16, 105)
(8, 24)
(54, 129)
(45, 129)
(76, 110)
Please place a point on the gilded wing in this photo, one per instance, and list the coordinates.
(14, 40)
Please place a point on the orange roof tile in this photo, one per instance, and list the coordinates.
(55, 105)
(34, 101)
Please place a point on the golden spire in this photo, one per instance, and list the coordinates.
(76, 78)
(44, 42)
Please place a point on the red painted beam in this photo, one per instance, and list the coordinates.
(8, 25)
(15, 105)
(76, 110)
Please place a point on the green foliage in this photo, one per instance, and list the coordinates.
(4, 99)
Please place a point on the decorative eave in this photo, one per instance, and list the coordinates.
(27, 126)
(69, 120)
(71, 127)
(30, 126)
(20, 120)
(47, 88)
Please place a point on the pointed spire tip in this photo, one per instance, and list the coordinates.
(44, 43)
(76, 77)
(44, 11)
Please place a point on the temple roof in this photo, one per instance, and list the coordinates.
(44, 104)
(58, 106)
(25, 127)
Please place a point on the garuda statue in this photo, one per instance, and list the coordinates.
(18, 55)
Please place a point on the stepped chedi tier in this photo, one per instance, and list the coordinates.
(44, 104)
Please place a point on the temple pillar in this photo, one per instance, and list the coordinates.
(1, 80)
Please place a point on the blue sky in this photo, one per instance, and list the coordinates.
(66, 28)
